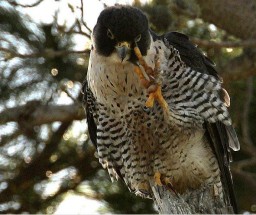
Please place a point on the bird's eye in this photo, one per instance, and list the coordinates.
(137, 39)
(110, 34)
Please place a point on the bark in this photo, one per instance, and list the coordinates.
(169, 203)
(34, 113)
(191, 202)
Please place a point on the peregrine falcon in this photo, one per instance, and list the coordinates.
(157, 112)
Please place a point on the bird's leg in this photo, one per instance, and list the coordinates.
(143, 187)
(157, 178)
(149, 81)
(161, 180)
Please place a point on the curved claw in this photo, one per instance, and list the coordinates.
(157, 179)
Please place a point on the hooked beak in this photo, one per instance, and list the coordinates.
(122, 49)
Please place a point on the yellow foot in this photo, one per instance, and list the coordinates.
(157, 178)
(161, 180)
(149, 81)
(143, 187)
(155, 93)
(144, 81)
(142, 62)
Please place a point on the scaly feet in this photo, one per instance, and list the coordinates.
(161, 180)
(148, 79)
(143, 189)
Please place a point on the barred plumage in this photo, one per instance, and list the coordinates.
(133, 141)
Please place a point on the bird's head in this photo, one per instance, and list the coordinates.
(118, 30)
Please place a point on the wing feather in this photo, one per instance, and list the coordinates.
(89, 103)
(221, 137)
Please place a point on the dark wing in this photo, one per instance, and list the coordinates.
(221, 137)
(90, 108)
(217, 134)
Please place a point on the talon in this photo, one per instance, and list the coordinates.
(161, 180)
(154, 89)
(167, 181)
(157, 178)
(143, 187)
(157, 94)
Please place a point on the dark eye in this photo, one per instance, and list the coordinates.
(110, 34)
(137, 39)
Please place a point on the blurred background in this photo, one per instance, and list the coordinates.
(47, 163)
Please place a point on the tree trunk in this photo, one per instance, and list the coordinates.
(191, 202)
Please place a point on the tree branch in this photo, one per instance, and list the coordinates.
(240, 165)
(82, 16)
(47, 53)
(250, 150)
(237, 17)
(26, 5)
(35, 113)
(224, 44)
(24, 180)
(245, 115)
(240, 67)
(247, 179)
